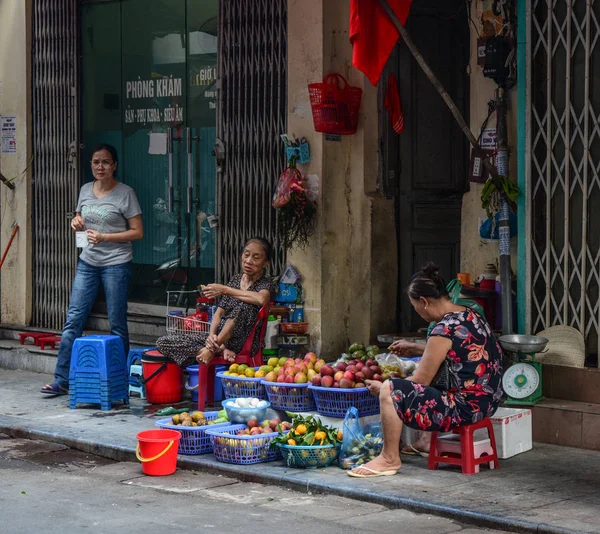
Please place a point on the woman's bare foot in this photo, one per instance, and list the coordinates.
(420, 446)
(381, 464)
(204, 356)
(229, 355)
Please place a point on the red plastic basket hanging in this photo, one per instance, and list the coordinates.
(335, 105)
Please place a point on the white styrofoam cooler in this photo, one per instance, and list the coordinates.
(513, 431)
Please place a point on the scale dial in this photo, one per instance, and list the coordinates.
(520, 380)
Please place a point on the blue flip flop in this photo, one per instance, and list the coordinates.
(55, 389)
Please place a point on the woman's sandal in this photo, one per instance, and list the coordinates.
(410, 450)
(373, 473)
(54, 389)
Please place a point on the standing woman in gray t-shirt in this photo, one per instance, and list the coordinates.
(109, 212)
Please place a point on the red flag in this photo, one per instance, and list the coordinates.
(393, 105)
(373, 35)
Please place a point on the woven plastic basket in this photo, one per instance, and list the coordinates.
(242, 450)
(240, 386)
(290, 397)
(194, 439)
(309, 457)
(335, 402)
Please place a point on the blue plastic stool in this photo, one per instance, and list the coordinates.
(98, 373)
(134, 370)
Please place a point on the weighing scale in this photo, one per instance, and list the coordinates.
(522, 381)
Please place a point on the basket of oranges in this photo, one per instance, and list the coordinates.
(241, 380)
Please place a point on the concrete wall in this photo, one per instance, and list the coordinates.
(349, 269)
(15, 100)
(475, 252)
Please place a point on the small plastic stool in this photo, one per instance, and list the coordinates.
(48, 340)
(135, 372)
(98, 372)
(449, 446)
(468, 459)
(33, 335)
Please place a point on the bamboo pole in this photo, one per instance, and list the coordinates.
(447, 98)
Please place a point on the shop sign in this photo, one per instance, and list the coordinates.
(488, 139)
(8, 133)
(139, 92)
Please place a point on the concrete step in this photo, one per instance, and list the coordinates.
(570, 383)
(28, 357)
(567, 423)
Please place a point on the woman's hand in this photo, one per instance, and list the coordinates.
(212, 291)
(77, 223)
(374, 387)
(405, 348)
(95, 237)
(212, 343)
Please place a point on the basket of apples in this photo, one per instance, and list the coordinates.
(287, 389)
(341, 386)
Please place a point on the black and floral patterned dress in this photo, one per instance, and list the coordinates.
(183, 348)
(475, 365)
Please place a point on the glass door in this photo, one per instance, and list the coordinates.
(161, 75)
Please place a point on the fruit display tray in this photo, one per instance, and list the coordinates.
(194, 439)
(290, 397)
(240, 386)
(335, 402)
(232, 449)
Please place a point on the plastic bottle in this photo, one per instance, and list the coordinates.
(271, 332)
(202, 309)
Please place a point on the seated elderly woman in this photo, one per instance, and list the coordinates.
(461, 348)
(240, 302)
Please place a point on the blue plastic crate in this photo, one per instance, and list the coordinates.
(239, 386)
(242, 450)
(335, 402)
(290, 397)
(309, 457)
(194, 439)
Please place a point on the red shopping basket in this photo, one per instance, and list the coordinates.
(335, 105)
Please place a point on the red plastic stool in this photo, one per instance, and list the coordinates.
(48, 340)
(206, 373)
(467, 459)
(36, 336)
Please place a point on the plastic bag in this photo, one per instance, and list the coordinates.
(360, 443)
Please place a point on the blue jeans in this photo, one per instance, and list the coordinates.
(115, 281)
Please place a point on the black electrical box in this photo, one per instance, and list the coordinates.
(497, 50)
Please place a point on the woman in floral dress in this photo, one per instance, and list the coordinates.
(463, 341)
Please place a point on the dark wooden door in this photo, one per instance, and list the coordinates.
(433, 154)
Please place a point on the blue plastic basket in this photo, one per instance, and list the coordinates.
(309, 457)
(290, 397)
(232, 449)
(335, 402)
(194, 439)
(240, 386)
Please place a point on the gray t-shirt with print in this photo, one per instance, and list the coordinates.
(107, 215)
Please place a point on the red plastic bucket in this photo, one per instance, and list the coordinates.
(157, 450)
(162, 377)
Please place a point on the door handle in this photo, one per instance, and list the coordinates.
(170, 155)
(190, 170)
(190, 174)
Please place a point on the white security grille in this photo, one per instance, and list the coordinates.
(55, 182)
(564, 142)
(251, 115)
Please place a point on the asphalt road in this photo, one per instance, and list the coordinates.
(49, 488)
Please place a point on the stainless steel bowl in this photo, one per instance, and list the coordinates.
(522, 343)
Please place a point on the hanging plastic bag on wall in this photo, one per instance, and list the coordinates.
(360, 444)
